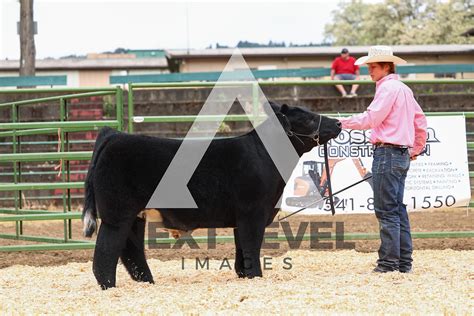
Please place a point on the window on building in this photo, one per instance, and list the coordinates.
(445, 75)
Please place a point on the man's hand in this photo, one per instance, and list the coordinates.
(413, 156)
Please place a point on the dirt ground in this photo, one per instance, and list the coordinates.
(431, 221)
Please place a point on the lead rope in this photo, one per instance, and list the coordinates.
(328, 175)
(324, 198)
(330, 195)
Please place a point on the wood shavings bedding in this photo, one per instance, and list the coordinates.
(318, 282)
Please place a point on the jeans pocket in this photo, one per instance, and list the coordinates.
(379, 164)
(400, 163)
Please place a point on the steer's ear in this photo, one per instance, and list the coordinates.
(284, 108)
(274, 106)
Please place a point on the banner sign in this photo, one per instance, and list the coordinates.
(439, 178)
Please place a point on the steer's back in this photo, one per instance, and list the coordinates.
(232, 178)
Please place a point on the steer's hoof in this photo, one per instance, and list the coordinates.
(240, 274)
(105, 283)
(106, 286)
(250, 274)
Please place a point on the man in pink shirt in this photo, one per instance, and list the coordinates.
(398, 128)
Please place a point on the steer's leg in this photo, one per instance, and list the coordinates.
(251, 230)
(133, 255)
(109, 245)
(239, 256)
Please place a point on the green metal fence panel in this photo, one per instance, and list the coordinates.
(214, 76)
(77, 124)
(75, 155)
(38, 239)
(192, 118)
(40, 186)
(185, 85)
(58, 98)
(57, 244)
(433, 69)
(18, 129)
(24, 211)
(283, 73)
(46, 131)
(27, 91)
(41, 217)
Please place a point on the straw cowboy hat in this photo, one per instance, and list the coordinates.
(380, 54)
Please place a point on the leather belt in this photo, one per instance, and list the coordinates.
(380, 144)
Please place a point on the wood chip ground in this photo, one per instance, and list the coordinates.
(318, 282)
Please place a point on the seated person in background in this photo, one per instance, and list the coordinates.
(343, 68)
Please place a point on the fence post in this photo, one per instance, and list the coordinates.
(130, 108)
(119, 106)
(62, 117)
(255, 103)
(16, 177)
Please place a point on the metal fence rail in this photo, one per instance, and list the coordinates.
(186, 77)
(17, 129)
(58, 244)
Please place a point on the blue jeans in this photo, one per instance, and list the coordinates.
(345, 77)
(389, 169)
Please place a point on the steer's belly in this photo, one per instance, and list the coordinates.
(154, 215)
(179, 221)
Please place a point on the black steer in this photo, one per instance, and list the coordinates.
(235, 185)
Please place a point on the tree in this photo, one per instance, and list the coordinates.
(27, 41)
(401, 22)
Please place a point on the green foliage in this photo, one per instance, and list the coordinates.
(247, 44)
(401, 22)
(108, 106)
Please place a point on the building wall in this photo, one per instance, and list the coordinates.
(94, 78)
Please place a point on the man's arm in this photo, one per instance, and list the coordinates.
(356, 69)
(420, 132)
(377, 111)
(333, 68)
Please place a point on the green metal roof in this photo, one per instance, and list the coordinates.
(148, 53)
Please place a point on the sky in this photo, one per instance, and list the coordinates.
(78, 27)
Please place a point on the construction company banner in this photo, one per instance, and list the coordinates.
(439, 178)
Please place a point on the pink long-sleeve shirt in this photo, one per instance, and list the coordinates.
(394, 116)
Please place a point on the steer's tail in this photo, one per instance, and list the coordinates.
(89, 213)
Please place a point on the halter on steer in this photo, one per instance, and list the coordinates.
(314, 136)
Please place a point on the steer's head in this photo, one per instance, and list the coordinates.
(305, 128)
